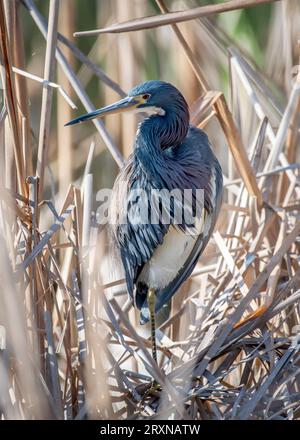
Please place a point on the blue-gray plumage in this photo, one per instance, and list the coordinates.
(170, 154)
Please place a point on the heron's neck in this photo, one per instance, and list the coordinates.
(156, 134)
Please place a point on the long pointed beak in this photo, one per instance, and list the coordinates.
(120, 106)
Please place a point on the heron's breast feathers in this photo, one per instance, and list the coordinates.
(168, 258)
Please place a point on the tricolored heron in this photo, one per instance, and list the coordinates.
(170, 154)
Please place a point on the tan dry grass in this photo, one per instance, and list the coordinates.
(71, 347)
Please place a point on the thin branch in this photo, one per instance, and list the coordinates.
(174, 17)
(49, 72)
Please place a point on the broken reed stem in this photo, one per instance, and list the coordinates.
(237, 149)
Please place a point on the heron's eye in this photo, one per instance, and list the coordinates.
(146, 96)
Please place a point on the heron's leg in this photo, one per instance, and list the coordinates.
(151, 298)
(151, 304)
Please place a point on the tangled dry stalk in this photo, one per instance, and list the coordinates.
(70, 347)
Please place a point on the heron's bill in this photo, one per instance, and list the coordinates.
(128, 103)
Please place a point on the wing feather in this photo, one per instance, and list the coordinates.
(196, 167)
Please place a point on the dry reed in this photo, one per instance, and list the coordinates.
(70, 346)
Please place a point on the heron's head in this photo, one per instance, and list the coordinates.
(152, 97)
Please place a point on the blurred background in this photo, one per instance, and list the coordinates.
(266, 34)
(70, 341)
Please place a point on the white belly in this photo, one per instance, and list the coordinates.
(170, 256)
(177, 246)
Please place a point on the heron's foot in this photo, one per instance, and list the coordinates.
(155, 386)
(152, 391)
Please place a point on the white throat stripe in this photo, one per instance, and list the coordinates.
(151, 110)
